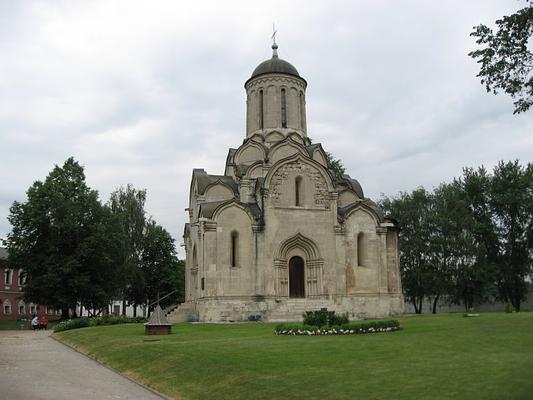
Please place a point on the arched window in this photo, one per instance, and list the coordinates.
(261, 111)
(7, 307)
(283, 108)
(33, 309)
(8, 276)
(302, 111)
(298, 191)
(22, 278)
(22, 310)
(234, 248)
(361, 249)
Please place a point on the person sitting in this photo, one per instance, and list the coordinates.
(43, 323)
(35, 322)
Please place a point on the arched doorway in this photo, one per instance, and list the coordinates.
(296, 277)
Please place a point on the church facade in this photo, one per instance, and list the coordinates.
(279, 233)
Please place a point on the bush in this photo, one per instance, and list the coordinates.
(72, 324)
(324, 318)
(191, 317)
(96, 321)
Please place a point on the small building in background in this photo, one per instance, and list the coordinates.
(12, 304)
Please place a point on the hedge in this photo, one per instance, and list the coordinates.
(96, 321)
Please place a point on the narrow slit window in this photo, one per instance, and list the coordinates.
(361, 249)
(234, 248)
(283, 109)
(261, 110)
(203, 283)
(298, 191)
(302, 111)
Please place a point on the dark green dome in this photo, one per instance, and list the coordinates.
(275, 66)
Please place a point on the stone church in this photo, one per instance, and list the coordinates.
(278, 233)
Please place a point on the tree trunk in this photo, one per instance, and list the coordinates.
(123, 306)
(435, 301)
(135, 310)
(64, 312)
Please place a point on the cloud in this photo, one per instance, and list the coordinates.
(143, 92)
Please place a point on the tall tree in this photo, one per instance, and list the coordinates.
(506, 58)
(67, 243)
(511, 201)
(127, 204)
(467, 277)
(163, 273)
(412, 210)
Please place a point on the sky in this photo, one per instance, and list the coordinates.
(142, 92)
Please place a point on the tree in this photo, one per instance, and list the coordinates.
(511, 202)
(468, 279)
(128, 206)
(506, 58)
(66, 242)
(413, 212)
(163, 273)
(335, 165)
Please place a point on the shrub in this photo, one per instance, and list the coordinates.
(96, 321)
(324, 317)
(508, 308)
(72, 324)
(191, 317)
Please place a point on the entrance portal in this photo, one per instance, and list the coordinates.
(296, 277)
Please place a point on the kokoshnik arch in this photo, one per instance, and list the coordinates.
(278, 234)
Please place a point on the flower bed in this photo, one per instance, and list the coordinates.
(344, 329)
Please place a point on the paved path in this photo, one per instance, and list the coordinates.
(34, 366)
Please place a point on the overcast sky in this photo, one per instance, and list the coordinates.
(143, 92)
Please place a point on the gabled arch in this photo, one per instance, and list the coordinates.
(295, 146)
(301, 242)
(347, 197)
(219, 185)
(251, 172)
(305, 160)
(352, 209)
(274, 136)
(295, 136)
(256, 137)
(233, 203)
(319, 155)
(240, 154)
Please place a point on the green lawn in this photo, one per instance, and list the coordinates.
(434, 357)
(14, 325)
(20, 325)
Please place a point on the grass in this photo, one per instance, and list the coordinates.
(14, 325)
(20, 325)
(433, 357)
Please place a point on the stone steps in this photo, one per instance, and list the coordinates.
(182, 313)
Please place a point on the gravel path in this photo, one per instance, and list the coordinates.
(34, 366)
